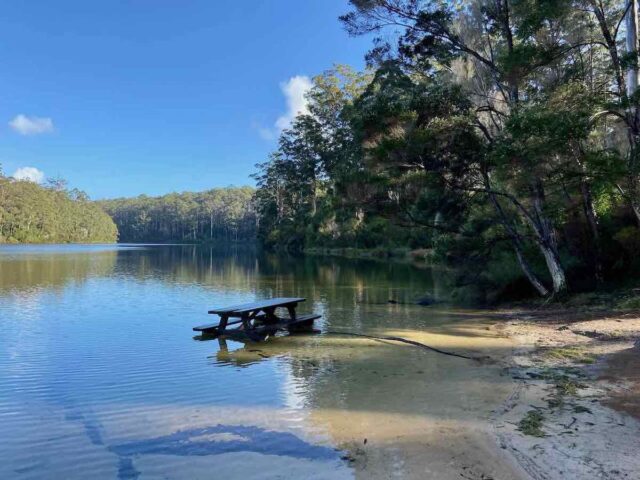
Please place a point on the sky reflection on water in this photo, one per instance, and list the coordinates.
(100, 376)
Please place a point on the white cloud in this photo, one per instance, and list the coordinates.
(31, 125)
(30, 174)
(266, 133)
(294, 91)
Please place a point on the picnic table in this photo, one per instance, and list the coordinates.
(257, 320)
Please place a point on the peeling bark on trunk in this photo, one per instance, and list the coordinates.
(546, 240)
(526, 269)
(558, 276)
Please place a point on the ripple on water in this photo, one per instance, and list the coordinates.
(100, 376)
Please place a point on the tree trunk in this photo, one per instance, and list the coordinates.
(314, 196)
(631, 27)
(635, 206)
(516, 241)
(611, 44)
(626, 87)
(526, 269)
(592, 221)
(314, 204)
(632, 199)
(631, 24)
(505, 17)
(556, 271)
(546, 239)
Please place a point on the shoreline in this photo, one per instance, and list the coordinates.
(575, 408)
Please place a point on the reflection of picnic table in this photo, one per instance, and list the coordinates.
(258, 320)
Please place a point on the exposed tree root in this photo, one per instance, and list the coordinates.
(410, 342)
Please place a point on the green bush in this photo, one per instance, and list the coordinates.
(629, 240)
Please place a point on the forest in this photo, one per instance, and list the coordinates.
(224, 214)
(499, 137)
(32, 213)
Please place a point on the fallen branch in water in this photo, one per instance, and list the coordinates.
(404, 340)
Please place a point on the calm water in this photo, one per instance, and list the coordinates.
(101, 376)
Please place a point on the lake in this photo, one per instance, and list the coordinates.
(101, 375)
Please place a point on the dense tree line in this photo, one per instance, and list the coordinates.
(217, 214)
(503, 135)
(32, 213)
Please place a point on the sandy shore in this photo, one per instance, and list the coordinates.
(575, 408)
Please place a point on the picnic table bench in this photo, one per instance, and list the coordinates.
(257, 320)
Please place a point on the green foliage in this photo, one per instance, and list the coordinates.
(532, 14)
(630, 303)
(573, 354)
(218, 214)
(531, 424)
(496, 135)
(31, 213)
(306, 191)
(629, 240)
(581, 409)
(566, 385)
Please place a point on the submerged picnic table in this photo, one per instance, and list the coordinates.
(257, 320)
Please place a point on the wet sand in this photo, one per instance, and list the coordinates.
(394, 410)
(422, 419)
(400, 412)
(623, 369)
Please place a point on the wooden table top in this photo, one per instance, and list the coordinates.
(257, 305)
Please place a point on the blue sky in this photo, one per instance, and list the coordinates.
(152, 96)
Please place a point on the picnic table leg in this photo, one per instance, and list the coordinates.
(249, 329)
(271, 315)
(292, 311)
(222, 326)
(246, 322)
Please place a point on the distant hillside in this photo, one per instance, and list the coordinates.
(31, 213)
(225, 214)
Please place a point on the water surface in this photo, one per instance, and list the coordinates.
(102, 377)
